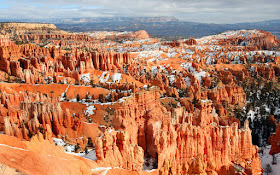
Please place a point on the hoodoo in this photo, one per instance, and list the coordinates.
(129, 103)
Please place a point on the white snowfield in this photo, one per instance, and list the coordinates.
(228, 34)
(198, 74)
(70, 149)
(266, 158)
(63, 93)
(89, 110)
(116, 77)
(104, 77)
(85, 77)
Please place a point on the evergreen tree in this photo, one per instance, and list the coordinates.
(78, 97)
(268, 169)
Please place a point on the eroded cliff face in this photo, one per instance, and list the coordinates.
(144, 130)
(35, 113)
(113, 149)
(139, 105)
(175, 139)
(27, 62)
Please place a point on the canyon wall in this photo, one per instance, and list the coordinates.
(176, 138)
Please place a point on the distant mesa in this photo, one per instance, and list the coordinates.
(20, 28)
(26, 25)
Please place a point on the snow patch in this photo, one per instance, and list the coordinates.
(116, 77)
(91, 155)
(104, 77)
(266, 158)
(198, 74)
(85, 77)
(89, 110)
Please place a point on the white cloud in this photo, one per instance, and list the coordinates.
(216, 11)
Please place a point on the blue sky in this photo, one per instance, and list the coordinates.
(215, 11)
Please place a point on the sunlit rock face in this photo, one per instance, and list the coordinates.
(128, 103)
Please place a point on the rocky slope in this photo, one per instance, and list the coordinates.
(127, 103)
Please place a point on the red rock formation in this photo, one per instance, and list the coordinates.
(229, 94)
(34, 117)
(113, 149)
(40, 157)
(193, 135)
(275, 141)
(109, 60)
(262, 39)
(4, 41)
(265, 71)
(175, 131)
(42, 60)
(191, 41)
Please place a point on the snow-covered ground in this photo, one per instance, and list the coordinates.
(266, 158)
(63, 94)
(116, 77)
(198, 75)
(104, 77)
(85, 77)
(104, 170)
(70, 149)
(228, 34)
(89, 110)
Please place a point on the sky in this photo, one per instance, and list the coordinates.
(206, 11)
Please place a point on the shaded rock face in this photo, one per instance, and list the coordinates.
(191, 41)
(267, 72)
(109, 60)
(275, 141)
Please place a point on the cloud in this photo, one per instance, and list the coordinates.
(215, 11)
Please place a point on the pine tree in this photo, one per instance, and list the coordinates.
(77, 147)
(101, 98)
(268, 169)
(78, 97)
(274, 159)
(195, 100)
